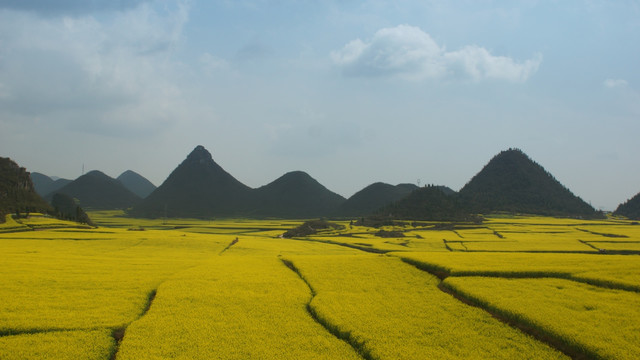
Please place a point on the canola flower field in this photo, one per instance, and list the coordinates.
(511, 287)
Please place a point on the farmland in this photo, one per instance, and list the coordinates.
(512, 287)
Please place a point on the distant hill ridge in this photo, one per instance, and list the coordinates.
(510, 182)
(136, 183)
(294, 195)
(199, 187)
(44, 184)
(95, 190)
(373, 197)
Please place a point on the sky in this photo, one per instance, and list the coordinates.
(352, 92)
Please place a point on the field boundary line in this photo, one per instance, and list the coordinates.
(352, 246)
(233, 242)
(442, 273)
(522, 323)
(518, 323)
(9, 333)
(119, 333)
(334, 330)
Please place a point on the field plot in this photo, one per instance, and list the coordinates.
(59, 280)
(232, 307)
(393, 311)
(601, 323)
(58, 345)
(618, 271)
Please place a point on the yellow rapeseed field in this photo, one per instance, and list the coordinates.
(58, 345)
(618, 271)
(87, 280)
(232, 307)
(602, 323)
(233, 289)
(394, 311)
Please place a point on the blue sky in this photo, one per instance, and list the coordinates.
(351, 92)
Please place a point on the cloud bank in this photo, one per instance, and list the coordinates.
(111, 75)
(69, 7)
(409, 53)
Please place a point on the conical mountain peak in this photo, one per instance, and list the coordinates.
(512, 182)
(198, 187)
(199, 154)
(98, 174)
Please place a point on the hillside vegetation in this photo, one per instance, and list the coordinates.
(514, 183)
(373, 197)
(45, 185)
(95, 190)
(17, 194)
(630, 208)
(136, 183)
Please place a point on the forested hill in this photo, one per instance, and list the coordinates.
(136, 183)
(44, 185)
(198, 188)
(95, 190)
(17, 193)
(294, 195)
(429, 203)
(373, 197)
(513, 182)
(630, 208)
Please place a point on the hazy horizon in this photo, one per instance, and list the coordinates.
(351, 93)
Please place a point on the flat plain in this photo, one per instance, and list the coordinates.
(511, 287)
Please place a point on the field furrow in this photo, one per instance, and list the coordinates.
(332, 328)
(611, 271)
(232, 307)
(395, 311)
(594, 322)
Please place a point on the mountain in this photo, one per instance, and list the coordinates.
(373, 197)
(17, 193)
(512, 182)
(44, 184)
(95, 190)
(294, 195)
(630, 208)
(66, 208)
(136, 183)
(433, 203)
(197, 188)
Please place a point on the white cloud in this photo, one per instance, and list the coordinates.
(614, 83)
(479, 64)
(410, 53)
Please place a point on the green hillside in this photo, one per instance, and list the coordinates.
(136, 183)
(630, 208)
(512, 182)
(17, 194)
(197, 188)
(373, 197)
(95, 190)
(294, 195)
